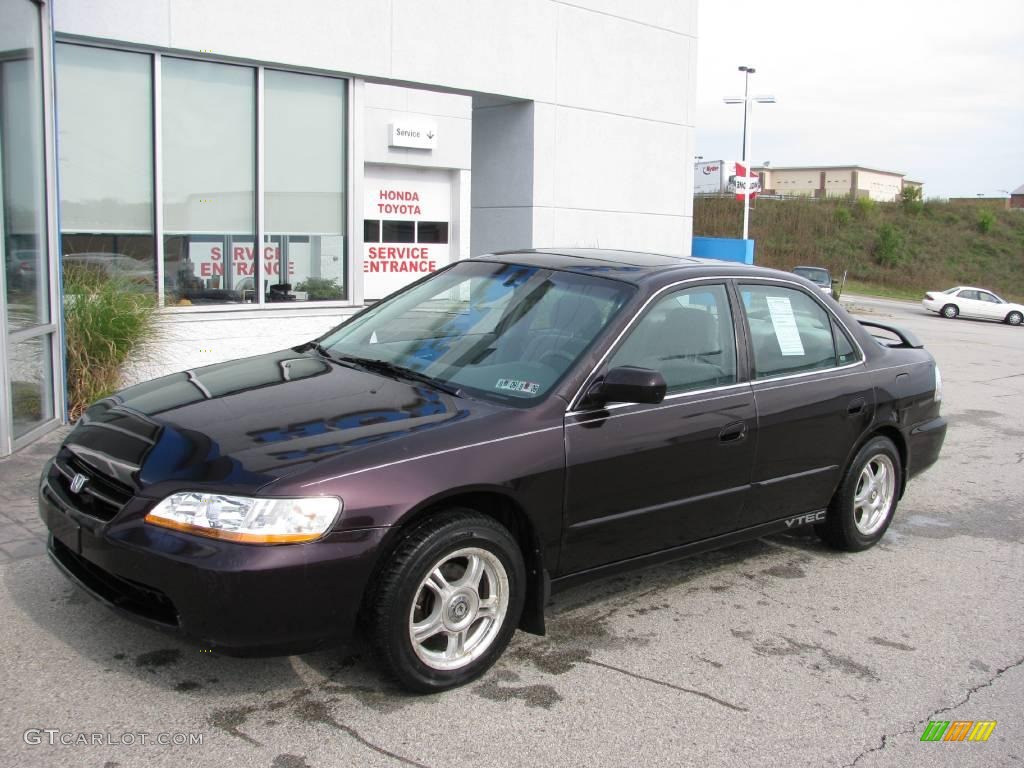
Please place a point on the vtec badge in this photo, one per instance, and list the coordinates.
(813, 517)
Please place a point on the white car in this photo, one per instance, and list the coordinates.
(965, 301)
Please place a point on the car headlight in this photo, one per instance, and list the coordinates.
(245, 519)
(938, 385)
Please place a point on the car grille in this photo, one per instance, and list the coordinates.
(131, 596)
(101, 497)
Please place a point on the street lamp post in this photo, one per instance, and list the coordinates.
(747, 101)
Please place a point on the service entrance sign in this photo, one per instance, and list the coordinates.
(407, 222)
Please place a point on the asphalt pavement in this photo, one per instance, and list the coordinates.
(777, 652)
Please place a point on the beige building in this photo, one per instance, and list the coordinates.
(834, 181)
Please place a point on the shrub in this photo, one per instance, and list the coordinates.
(889, 246)
(106, 320)
(910, 199)
(985, 221)
(865, 205)
(842, 215)
(321, 289)
(910, 194)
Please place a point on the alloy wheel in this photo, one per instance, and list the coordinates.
(459, 608)
(876, 490)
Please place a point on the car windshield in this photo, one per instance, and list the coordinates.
(952, 290)
(815, 275)
(501, 331)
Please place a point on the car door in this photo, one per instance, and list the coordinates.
(990, 307)
(814, 399)
(642, 478)
(969, 303)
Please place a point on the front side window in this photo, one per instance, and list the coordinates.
(502, 331)
(990, 298)
(791, 333)
(688, 337)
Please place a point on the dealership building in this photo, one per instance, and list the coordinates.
(267, 168)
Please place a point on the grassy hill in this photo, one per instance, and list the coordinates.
(897, 249)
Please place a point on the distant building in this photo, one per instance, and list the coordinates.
(999, 203)
(834, 181)
(1017, 197)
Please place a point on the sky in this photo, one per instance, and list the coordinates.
(934, 90)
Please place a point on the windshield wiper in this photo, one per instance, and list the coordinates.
(397, 371)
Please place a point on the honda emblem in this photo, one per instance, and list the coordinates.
(78, 482)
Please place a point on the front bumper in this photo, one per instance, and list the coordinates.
(240, 599)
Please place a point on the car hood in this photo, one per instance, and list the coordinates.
(251, 422)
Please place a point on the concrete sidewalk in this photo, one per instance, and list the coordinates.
(22, 533)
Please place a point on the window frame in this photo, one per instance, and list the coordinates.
(834, 319)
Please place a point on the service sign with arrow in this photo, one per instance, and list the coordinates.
(418, 134)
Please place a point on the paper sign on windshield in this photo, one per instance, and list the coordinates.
(784, 324)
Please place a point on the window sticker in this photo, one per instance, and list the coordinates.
(515, 385)
(784, 323)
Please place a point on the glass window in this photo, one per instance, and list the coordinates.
(432, 232)
(789, 331)
(22, 202)
(105, 101)
(304, 133)
(845, 352)
(688, 337)
(969, 295)
(31, 383)
(208, 159)
(398, 232)
(985, 296)
(371, 230)
(501, 331)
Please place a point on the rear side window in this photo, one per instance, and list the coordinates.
(688, 337)
(792, 333)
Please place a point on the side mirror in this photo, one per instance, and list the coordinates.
(629, 384)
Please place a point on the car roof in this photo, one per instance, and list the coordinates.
(627, 266)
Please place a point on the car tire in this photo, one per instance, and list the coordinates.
(950, 311)
(427, 586)
(1014, 318)
(865, 502)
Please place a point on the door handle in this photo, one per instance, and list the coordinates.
(733, 432)
(856, 407)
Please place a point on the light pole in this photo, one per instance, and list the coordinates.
(747, 101)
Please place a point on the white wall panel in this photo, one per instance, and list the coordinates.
(146, 23)
(617, 66)
(613, 163)
(501, 229)
(629, 231)
(491, 46)
(503, 155)
(677, 15)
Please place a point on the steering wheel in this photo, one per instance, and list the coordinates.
(561, 359)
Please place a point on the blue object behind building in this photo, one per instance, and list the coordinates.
(724, 248)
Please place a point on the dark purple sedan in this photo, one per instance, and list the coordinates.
(428, 472)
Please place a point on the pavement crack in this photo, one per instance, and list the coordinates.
(316, 711)
(974, 689)
(673, 686)
(917, 726)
